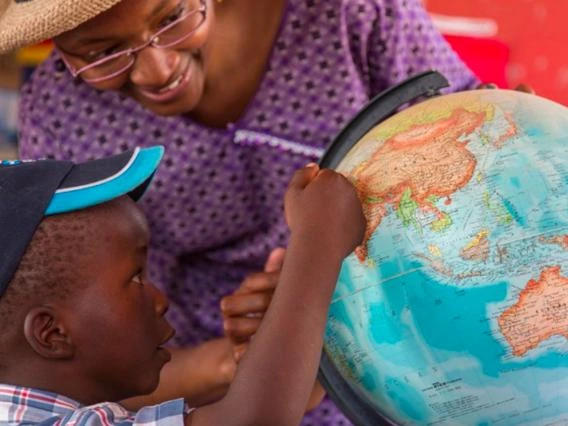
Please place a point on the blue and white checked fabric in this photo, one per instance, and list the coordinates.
(26, 406)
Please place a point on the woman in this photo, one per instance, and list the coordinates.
(241, 93)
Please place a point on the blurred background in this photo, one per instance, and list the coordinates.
(505, 42)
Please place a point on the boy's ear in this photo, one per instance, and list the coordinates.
(47, 334)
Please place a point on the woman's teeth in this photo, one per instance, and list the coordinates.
(172, 85)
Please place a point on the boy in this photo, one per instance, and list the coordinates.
(83, 327)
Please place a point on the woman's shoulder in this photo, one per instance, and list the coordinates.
(354, 13)
(367, 10)
(314, 4)
(345, 5)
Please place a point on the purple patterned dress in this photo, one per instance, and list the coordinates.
(215, 207)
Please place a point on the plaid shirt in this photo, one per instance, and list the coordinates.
(25, 406)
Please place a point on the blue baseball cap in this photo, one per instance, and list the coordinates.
(32, 190)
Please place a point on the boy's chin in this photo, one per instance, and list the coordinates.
(151, 375)
(153, 380)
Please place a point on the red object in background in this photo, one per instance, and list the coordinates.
(536, 33)
(486, 57)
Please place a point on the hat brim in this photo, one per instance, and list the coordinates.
(23, 23)
(99, 181)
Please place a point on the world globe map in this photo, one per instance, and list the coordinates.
(454, 310)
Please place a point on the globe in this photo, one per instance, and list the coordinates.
(454, 310)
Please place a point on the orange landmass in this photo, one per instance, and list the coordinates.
(478, 251)
(509, 133)
(427, 159)
(560, 240)
(540, 312)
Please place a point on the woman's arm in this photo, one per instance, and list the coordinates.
(396, 40)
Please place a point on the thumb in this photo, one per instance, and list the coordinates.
(275, 260)
(304, 176)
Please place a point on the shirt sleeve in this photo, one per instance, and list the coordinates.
(397, 40)
(171, 413)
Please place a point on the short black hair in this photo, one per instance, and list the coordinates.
(48, 270)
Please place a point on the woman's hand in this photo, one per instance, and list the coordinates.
(244, 309)
(523, 87)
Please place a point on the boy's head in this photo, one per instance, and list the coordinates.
(79, 316)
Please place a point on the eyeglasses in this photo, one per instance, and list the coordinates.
(115, 64)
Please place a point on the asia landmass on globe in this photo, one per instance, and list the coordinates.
(454, 311)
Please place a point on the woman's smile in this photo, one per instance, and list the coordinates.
(174, 89)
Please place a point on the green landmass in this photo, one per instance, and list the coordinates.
(407, 208)
(374, 200)
(484, 139)
(433, 199)
(504, 218)
(442, 224)
(501, 214)
(487, 199)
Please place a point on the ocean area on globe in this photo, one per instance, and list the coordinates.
(454, 310)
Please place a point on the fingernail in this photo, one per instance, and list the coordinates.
(223, 305)
(311, 165)
(226, 326)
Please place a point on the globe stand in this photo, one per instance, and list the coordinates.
(427, 84)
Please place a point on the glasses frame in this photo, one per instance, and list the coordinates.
(133, 51)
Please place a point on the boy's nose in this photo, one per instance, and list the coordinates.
(161, 303)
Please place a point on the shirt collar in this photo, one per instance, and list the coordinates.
(20, 404)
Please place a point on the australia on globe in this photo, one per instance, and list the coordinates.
(454, 310)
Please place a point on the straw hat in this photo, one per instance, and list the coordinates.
(25, 22)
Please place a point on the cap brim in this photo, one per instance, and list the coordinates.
(99, 181)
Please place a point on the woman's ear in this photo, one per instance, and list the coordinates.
(47, 334)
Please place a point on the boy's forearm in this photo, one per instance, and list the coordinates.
(282, 362)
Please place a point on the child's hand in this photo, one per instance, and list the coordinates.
(322, 206)
(244, 309)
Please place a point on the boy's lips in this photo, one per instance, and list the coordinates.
(173, 89)
(164, 352)
(171, 333)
